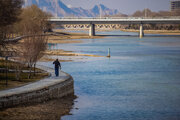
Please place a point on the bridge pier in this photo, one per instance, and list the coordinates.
(141, 31)
(92, 30)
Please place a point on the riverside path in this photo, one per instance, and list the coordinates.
(42, 90)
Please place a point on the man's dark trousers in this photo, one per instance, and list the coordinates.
(57, 71)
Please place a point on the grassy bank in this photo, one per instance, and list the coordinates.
(11, 75)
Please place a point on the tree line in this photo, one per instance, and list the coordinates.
(31, 24)
(147, 13)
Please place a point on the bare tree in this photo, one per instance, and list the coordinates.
(150, 13)
(33, 21)
(32, 50)
(137, 14)
(33, 24)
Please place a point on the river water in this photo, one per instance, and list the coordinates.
(141, 80)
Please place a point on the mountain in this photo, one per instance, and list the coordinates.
(103, 10)
(82, 12)
(58, 8)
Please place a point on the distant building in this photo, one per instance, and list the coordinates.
(175, 5)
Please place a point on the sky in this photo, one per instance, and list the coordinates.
(124, 6)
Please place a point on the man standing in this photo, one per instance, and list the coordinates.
(57, 66)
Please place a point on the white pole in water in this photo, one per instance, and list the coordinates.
(109, 53)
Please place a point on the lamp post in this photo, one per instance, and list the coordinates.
(100, 12)
(6, 70)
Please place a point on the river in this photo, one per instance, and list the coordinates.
(141, 80)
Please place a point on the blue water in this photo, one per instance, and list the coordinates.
(141, 81)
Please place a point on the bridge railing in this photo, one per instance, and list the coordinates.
(165, 17)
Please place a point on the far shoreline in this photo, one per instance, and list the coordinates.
(161, 32)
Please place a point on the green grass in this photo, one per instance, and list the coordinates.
(13, 65)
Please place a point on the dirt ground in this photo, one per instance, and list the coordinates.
(50, 110)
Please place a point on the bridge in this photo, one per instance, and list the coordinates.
(108, 20)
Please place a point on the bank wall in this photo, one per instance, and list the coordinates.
(40, 94)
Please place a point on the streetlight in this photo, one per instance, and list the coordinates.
(6, 70)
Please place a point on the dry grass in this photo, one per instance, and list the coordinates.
(67, 53)
(66, 37)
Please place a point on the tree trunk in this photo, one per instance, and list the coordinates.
(17, 73)
(34, 69)
(30, 68)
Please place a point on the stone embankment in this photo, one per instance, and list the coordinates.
(40, 91)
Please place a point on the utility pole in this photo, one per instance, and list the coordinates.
(56, 8)
(146, 14)
(100, 11)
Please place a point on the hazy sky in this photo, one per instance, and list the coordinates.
(124, 6)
